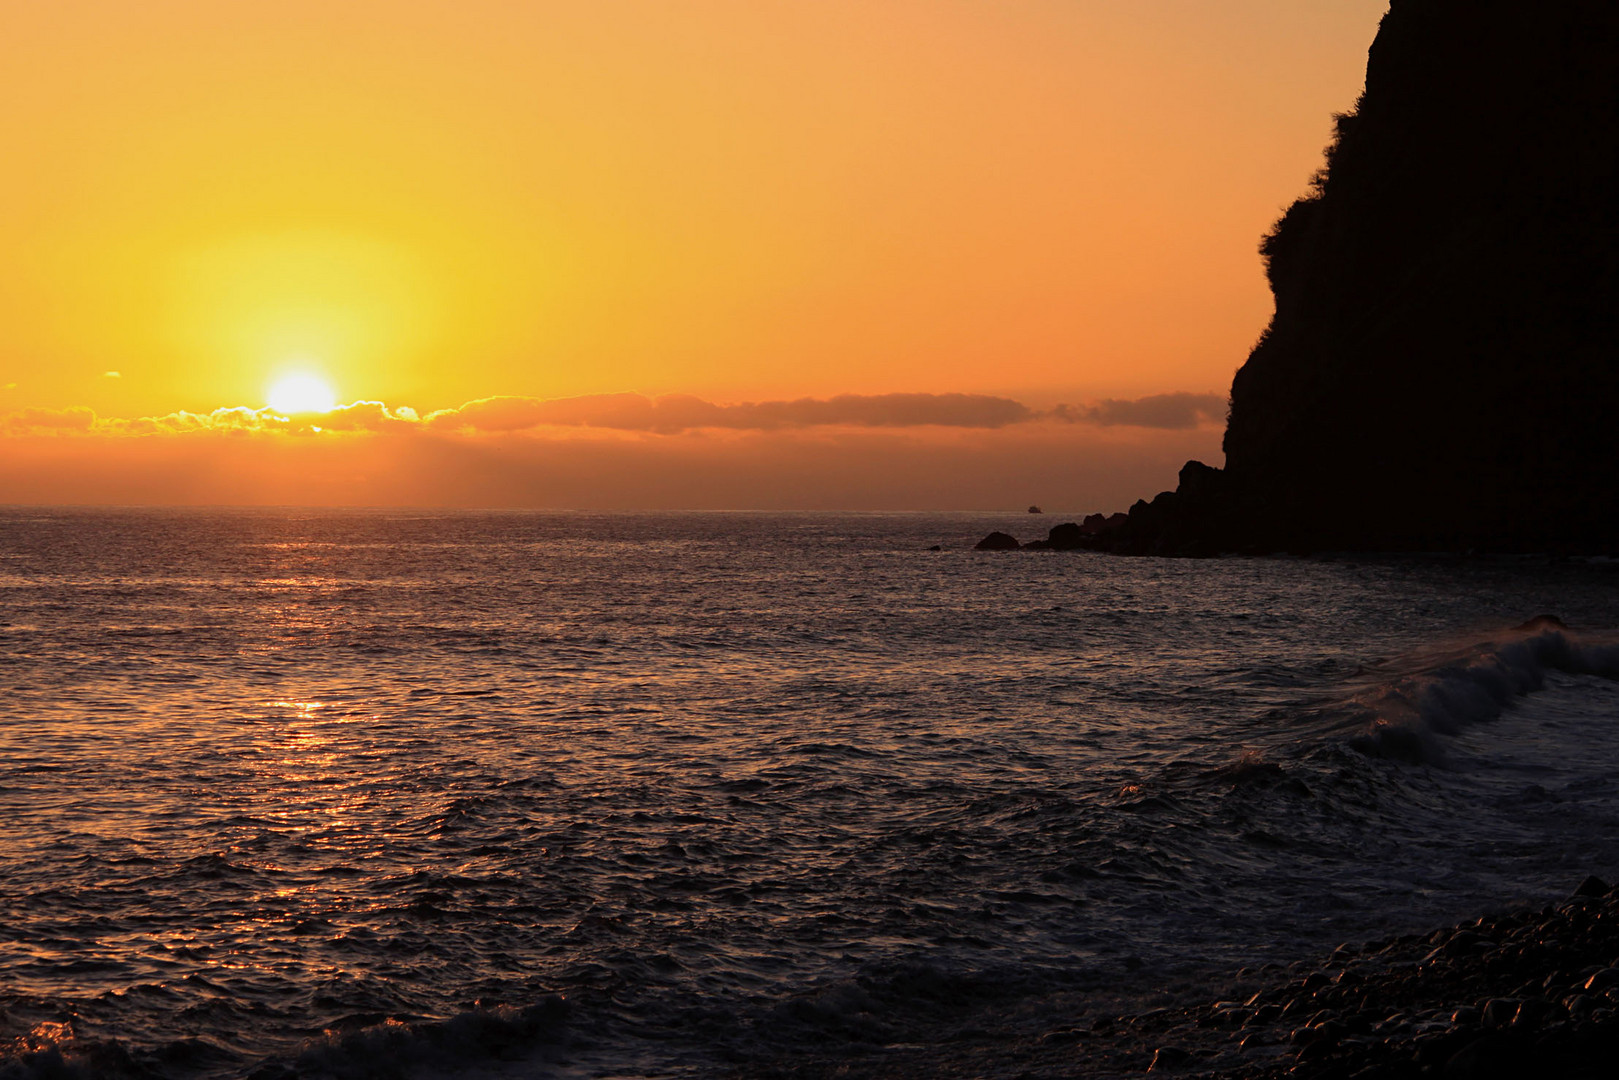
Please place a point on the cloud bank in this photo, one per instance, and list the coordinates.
(670, 414)
(621, 452)
(1171, 412)
(674, 413)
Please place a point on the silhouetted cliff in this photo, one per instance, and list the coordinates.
(1442, 370)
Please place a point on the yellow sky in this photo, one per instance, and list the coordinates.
(441, 201)
(430, 203)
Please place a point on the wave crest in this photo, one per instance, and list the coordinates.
(1441, 693)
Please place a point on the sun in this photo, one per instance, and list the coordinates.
(302, 393)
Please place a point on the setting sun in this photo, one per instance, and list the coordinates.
(302, 393)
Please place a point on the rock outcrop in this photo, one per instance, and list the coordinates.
(997, 541)
(1442, 370)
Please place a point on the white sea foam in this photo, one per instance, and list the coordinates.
(1440, 692)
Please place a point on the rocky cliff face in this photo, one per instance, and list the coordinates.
(1442, 370)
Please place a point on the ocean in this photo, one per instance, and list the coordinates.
(384, 793)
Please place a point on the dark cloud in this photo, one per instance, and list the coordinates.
(625, 412)
(670, 414)
(1172, 412)
(675, 413)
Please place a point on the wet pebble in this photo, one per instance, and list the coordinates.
(1499, 1012)
(1602, 980)
(1169, 1057)
(1533, 1012)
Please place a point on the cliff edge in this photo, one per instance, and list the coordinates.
(1442, 369)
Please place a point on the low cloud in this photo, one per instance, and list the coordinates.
(358, 416)
(671, 414)
(621, 451)
(76, 418)
(367, 416)
(1170, 412)
(675, 413)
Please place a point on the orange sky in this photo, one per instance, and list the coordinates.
(431, 203)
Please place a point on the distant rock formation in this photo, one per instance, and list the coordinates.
(997, 541)
(1442, 370)
(1068, 536)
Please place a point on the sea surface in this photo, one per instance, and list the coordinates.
(368, 794)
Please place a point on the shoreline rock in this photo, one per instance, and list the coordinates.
(1528, 992)
(1069, 536)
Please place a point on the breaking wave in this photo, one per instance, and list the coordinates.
(1441, 692)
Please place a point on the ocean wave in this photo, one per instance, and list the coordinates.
(392, 1047)
(1441, 692)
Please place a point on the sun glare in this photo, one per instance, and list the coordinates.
(302, 393)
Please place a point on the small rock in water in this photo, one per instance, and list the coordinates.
(1065, 537)
(1592, 886)
(997, 541)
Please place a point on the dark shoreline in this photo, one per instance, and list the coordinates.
(1121, 536)
(1525, 992)
(1529, 992)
